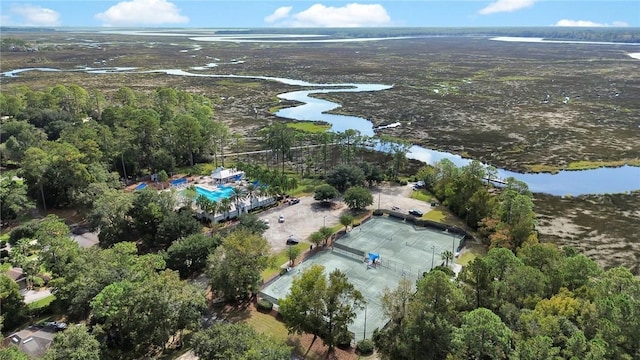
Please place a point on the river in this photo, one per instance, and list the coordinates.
(593, 181)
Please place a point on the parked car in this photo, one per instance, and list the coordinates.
(57, 326)
(415, 212)
(281, 218)
(266, 222)
(292, 241)
(293, 201)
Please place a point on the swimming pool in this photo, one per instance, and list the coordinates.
(221, 192)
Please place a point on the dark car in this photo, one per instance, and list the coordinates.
(293, 201)
(415, 212)
(292, 241)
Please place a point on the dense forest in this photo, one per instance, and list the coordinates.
(75, 148)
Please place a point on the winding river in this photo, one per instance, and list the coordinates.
(595, 181)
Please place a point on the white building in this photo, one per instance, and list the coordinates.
(222, 176)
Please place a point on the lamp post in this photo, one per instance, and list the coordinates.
(379, 191)
(364, 333)
(324, 222)
(433, 255)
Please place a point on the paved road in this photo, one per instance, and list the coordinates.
(308, 216)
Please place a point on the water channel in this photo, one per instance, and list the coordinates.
(594, 181)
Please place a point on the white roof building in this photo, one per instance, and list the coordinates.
(221, 175)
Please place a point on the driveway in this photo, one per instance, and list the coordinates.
(306, 217)
(33, 296)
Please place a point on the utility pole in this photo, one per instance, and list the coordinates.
(433, 255)
(364, 335)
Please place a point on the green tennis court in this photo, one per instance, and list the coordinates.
(404, 251)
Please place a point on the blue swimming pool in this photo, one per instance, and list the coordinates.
(221, 192)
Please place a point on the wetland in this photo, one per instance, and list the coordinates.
(520, 106)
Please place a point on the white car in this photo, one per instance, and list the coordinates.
(266, 222)
(281, 218)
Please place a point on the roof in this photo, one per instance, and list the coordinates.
(33, 341)
(16, 274)
(222, 173)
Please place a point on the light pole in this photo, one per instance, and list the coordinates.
(364, 333)
(433, 255)
(324, 222)
(379, 191)
(453, 244)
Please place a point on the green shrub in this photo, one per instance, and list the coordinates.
(25, 231)
(344, 340)
(3, 243)
(264, 305)
(365, 347)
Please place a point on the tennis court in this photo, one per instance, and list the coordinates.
(404, 252)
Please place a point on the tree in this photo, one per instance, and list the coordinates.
(280, 138)
(189, 255)
(12, 307)
(237, 342)
(75, 343)
(346, 220)
(253, 224)
(372, 173)
(538, 347)
(482, 336)
(293, 252)
(12, 353)
(162, 177)
(234, 267)
(35, 164)
(109, 214)
(13, 199)
(357, 197)
(319, 306)
(135, 314)
(447, 256)
(325, 193)
(95, 268)
(344, 176)
(317, 237)
(421, 325)
(176, 225)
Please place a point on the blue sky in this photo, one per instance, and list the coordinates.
(302, 13)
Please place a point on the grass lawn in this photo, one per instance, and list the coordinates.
(279, 259)
(41, 303)
(309, 126)
(436, 214)
(422, 195)
(267, 324)
(471, 252)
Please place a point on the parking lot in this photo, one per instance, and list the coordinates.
(306, 217)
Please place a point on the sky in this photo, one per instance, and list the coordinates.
(319, 13)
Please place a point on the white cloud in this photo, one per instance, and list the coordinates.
(279, 14)
(31, 15)
(506, 6)
(319, 15)
(586, 23)
(142, 12)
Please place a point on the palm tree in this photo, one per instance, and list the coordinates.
(237, 195)
(202, 202)
(212, 208)
(346, 219)
(251, 191)
(447, 256)
(225, 206)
